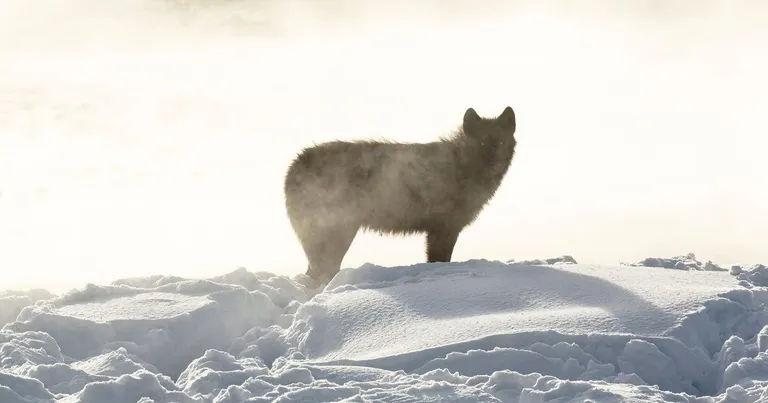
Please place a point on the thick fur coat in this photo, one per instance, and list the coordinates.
(334, 189)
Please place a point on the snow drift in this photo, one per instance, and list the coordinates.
(475, 331)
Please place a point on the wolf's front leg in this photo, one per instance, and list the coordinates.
(440, 243)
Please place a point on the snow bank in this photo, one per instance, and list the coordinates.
(682, 262)
(475, 331)
(755, 275)
(12, 302)
(564, 259)
(165, 323)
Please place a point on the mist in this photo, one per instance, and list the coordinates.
(151, 137)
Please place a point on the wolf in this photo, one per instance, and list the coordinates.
(334, 189)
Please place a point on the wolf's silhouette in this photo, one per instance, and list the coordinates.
(334, 189)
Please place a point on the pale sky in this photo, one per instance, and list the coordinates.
(138, 139)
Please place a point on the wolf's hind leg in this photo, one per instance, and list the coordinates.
(325, 250)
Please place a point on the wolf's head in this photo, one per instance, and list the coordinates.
(497, 134)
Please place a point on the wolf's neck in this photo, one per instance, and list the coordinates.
(481, 165)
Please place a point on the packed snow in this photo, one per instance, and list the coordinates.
(663, 329)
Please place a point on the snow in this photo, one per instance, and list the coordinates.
(536, 330)
(683, 262)
(12, 302)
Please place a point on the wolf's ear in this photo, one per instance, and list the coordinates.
(470, 119)
(507, 118)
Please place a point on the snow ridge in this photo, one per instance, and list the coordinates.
(474, 331)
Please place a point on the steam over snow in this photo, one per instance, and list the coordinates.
(475, 331)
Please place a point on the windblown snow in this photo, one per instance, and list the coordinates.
(475, 331)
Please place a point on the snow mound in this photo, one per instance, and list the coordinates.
(12, 302)
(161, 324)
(474, 331)
(564, 259)
(481, 298)
(683, 262)
(756, 275)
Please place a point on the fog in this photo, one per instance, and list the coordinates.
(151, 137)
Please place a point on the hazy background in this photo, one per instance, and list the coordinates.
(151, 137)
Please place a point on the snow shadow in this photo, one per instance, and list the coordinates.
(469, 289)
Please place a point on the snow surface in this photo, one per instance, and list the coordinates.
(476, 331)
